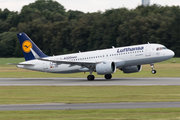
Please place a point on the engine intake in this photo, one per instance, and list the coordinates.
(107, 67)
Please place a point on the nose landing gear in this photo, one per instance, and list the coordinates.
(152, 67)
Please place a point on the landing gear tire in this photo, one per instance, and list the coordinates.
(90, 77)
(153, 71)
(152, 67)
(108, 76)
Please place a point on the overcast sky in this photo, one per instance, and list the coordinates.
(88, 5)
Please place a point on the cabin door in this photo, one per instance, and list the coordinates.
(148, 50)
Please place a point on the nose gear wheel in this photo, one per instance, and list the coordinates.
(152, 67)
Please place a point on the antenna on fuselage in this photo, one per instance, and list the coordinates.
(148, 43)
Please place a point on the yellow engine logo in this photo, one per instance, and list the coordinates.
(26, 46)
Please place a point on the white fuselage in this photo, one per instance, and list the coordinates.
(122, 56)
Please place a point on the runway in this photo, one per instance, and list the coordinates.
(90, 106)
(85, 82)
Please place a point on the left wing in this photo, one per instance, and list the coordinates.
(88, 64)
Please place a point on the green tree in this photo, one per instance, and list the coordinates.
(7, 44)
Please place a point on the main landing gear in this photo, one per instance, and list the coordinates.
(106, 76)
(152, 67)
(90, 77)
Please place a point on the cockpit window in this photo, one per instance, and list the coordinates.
(161, 48)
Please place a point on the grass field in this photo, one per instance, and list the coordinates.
(90, 94)
(87, 94)
(110, 114)
(168, 68)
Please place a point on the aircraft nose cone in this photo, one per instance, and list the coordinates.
(171, 53)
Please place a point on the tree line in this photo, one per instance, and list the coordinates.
(57, 31)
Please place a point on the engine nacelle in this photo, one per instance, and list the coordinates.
(106, 67)
(132, 69)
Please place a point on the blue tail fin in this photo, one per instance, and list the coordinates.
(26, 45)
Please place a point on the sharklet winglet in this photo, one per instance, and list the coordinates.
(35, 54)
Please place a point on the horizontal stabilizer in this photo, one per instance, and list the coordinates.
(20, 64)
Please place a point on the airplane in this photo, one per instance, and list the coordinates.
(128, 59)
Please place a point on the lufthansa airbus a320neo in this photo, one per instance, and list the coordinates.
(129, 59)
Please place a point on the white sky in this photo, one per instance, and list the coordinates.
(87, 5)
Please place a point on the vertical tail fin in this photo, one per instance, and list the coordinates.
(26, 45)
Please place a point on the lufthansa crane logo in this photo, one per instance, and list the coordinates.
(26, 46)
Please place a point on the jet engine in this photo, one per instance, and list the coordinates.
(132, 69)
(106, 67)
